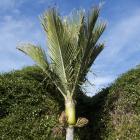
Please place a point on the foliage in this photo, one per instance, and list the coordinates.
(117, 109)
(72, 48)
(29, 108)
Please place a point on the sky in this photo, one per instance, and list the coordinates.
(19, 23)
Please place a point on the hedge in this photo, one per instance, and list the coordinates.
(30, 106)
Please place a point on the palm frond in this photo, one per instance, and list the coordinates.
(89, 35)
(93, 49)
(73, 45)
(89, 60)
(92, 20)
(61, 46)
(39, 56)
(97, 32)
(36, 53)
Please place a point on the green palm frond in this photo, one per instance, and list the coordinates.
(39, 56)
(92, 49)
(89, 60)
(92, 19)
(73, 22)
(61, 46)
(36, 53)
(97, 32)
(89, 35)
(73, 45)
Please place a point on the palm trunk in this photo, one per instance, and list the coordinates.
(70, 133)
(71, 118)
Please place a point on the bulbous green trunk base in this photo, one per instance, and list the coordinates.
(71, 118)
(70, 112)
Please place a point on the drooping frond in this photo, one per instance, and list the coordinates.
(36, 53)
(39, 56)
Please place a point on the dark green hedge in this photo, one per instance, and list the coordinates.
(118, 117)
(30, 105)
(28, 111)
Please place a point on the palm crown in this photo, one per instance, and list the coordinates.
(72, 48)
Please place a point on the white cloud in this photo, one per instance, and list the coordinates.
(97, 83)
(123, 45)
(14, 31)
(103, 80)
(121, 37)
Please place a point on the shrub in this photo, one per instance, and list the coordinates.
(30, 104)
(118, 116)
(28, 110)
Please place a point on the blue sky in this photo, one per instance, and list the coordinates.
(20, 23)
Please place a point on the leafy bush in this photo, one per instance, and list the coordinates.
(30, 104)
(28, 111)
(118, 117)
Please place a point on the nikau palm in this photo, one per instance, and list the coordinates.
(72, 48)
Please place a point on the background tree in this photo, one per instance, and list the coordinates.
(72, 48)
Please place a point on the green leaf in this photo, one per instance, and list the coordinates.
(61, 45)
(73, 45)
(39, 56)
(36, 53)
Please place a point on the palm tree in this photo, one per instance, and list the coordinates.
(72, 48)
